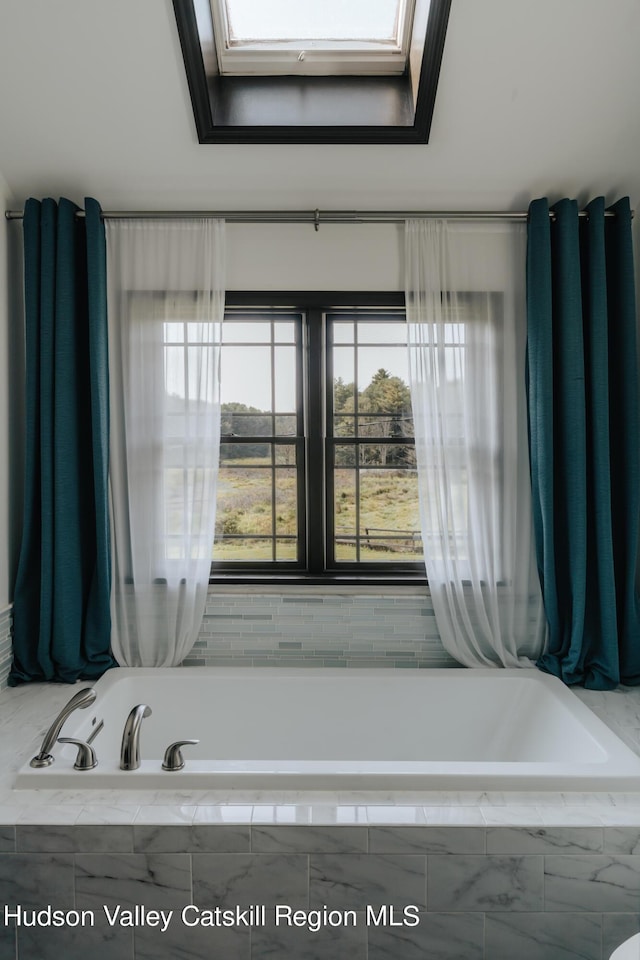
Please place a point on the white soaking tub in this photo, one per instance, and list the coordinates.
(375, 729)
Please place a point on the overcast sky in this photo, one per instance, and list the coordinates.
(312, 19)
(246, 373)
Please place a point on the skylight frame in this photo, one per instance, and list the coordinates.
(312, 109)
(331, 58)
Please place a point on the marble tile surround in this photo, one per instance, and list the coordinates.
(529, 903)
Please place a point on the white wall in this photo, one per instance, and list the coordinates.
(11, 397)
(364, 257)
(533, 99)
(297, 257)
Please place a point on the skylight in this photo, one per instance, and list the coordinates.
(312, 71)
(375, 21)
(312, 36)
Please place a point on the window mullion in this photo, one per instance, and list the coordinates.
(272, 355)
(315, 443)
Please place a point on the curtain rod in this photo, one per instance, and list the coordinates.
(314, 217)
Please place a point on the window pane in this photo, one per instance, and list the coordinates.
(245, 423)
(257, 502)
(245, 454)
(243, 549)
(286, 454)
(344, 455)
(382, 332)
(244, 508)
(343, 403)
(346, 550)
(234, 331)
(174, 500)
(457, 511)
(200, 381)
(379, 364)
(205, 332)
(383, 503)
(396, 549)
(376, 508)
(174, 371)
(244, 501)
(284, 331)
(176, 433)
(343, 426)
(258, 505)
(286, 550)
(342, 332)
(174, 333)
(344, 508)
(397, 424)
(310, 20)
(286, 426)
(374, 425)
(343, 365)
(286, 502)
(391, 455)
(285, 379)
(344, 389)
(389, 514)
(245, 376)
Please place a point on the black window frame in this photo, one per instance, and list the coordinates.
(244, 313)
(356, 440)
(315, 514)
(287, 109)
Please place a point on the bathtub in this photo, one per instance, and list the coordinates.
(377, 729)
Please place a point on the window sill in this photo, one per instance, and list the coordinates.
(311, 109)
(301, 586)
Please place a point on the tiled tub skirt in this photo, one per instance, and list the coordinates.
(386, 892)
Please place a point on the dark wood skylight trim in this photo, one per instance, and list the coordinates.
(242, 109)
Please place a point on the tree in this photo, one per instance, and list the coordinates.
(387, 400)
(237, 420)
(342, 396)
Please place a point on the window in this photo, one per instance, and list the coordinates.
(317, 467)
(353, 71)
(290, 37)
(260, 509)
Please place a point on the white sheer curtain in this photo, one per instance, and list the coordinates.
(465, 296)
(166, 304)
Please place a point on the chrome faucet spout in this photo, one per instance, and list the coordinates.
(130, 749)
(81, 700)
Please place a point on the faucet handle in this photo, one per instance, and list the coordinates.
(173, 759)
(86, 759)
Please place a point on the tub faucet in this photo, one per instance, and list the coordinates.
(84, 698)
(130, 750)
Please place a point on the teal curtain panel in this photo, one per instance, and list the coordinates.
(582, 380)
(62, 594)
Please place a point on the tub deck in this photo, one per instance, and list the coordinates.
(500, 862)
(295, 729)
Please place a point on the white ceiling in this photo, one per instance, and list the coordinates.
(534, 98)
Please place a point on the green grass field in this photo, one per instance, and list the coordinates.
(388, 504)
